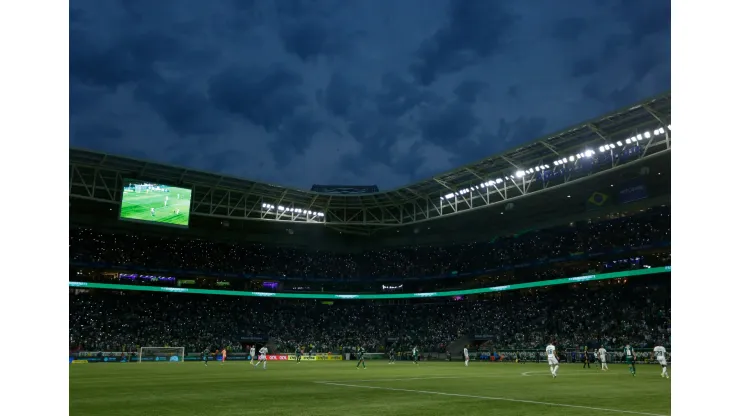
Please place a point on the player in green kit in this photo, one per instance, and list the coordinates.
(361, 358)
(298, 354)
(415, 355)
(392, 356)
(629, 357)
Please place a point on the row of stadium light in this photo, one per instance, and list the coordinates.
(281, 209)
(564, 161)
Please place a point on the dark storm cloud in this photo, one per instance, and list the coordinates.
(379, 91)
(340, 95)
(644, 18)
(635, 52)
(468, 90)
(306, 29)
(185, 111)
(376, 134)
(130, 60)
(87, 135)
(261, 95)
(309, 40)
(447, 127)
(475, 30)
(294, 138)
(570, 29)
(500, 138)
(399, 96)
(82, 97)
(109, 67)
(584, 67)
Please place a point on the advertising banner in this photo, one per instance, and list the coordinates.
(542, 283)
(174, 358)
(634, 190)
(316, 357)
(292, 357)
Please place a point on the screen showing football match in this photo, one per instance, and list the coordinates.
(157, 203)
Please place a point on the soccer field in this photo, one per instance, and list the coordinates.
(337, 388)
(138, 205)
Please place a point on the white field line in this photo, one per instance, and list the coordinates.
(391, 379)
(433, 377)
(599, 373)
(503, 399)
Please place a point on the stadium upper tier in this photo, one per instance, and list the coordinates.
(624, 138)
(89, 248)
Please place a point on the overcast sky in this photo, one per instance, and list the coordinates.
(358, 92)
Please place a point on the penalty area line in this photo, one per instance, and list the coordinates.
(502, 399)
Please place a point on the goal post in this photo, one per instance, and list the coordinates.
(162, 354)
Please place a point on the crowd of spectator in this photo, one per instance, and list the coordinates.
(610, 313)
(169, 253)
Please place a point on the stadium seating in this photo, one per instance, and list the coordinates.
(649, 229)
(610, 312)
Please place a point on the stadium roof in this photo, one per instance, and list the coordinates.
(616, 140)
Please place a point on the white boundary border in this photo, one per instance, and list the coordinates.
(34, 109)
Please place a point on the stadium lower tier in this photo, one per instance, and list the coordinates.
(612, 313)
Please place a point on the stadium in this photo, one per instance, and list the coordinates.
(441, 296)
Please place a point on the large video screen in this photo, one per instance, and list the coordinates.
(152, 202)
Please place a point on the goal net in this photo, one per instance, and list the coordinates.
(166, 354)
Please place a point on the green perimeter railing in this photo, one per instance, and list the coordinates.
(553, 282)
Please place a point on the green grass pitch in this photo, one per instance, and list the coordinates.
(338, 388)
(138, 205)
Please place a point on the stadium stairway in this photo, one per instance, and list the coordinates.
(272, 347)
(456, 347)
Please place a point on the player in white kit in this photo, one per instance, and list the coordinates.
(552, 359)
(659, 354)
(467, 357)
(262, 358)
(252, 352)
(602, 358)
